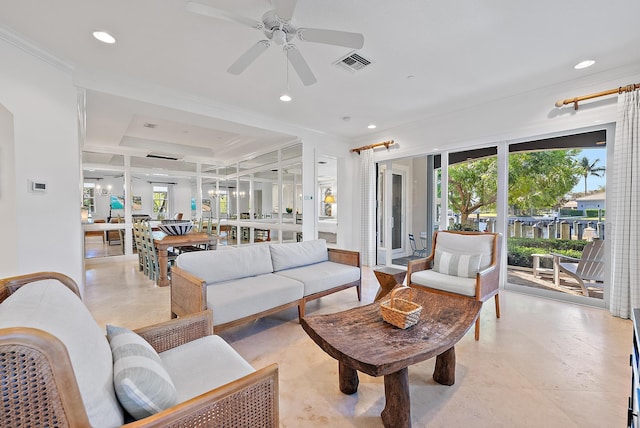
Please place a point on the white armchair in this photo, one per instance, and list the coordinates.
(461, 264)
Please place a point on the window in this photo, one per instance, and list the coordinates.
(89, 197)
(224, 205)
(160, 200)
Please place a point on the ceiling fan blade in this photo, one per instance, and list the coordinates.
(284, 8)
(212, 12)
(300, 65)
(332, 37)
(248, 57)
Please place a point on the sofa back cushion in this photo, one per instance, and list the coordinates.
(467, 244)
(287, 256)
(52, 307)
(219, 266)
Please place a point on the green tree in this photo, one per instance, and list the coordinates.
(588, 168)
(472, 185)
(540, 180)
(537, 180)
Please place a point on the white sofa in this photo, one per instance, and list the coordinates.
(57, 367)
(246, 283)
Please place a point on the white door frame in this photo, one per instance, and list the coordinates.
(403, 172)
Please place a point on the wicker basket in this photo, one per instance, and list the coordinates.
(400, 312)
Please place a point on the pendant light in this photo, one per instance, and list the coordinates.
(285, 97)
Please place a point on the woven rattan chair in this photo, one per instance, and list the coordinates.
(480, 284)
(40, 387)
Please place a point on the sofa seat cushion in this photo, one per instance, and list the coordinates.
(52, 307)
(142, 384)
(322, 276)
(237, 299)
(287, 256)
(219, 266)
(202, 365)
(450, 283)
(459, 244)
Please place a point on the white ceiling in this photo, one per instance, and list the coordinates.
(427, 56)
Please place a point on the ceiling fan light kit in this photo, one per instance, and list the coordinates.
(277, 27)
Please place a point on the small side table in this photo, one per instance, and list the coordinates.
(388, 278)
(537, 270)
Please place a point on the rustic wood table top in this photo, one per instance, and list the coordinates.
(360, 338)
(362, 341)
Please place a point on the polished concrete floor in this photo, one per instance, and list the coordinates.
(543, 364)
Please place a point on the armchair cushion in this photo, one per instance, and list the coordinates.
(142, 384)
(89, 352)
(456, 264)
(453, 284)
(194, 375)
(461, 244)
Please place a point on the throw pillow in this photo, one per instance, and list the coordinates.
(142, 384)
(462, 265)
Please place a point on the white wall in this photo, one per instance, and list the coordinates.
(182, 199)
(8, 213)
(41, 97)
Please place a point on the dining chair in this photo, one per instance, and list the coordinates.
(153, 266)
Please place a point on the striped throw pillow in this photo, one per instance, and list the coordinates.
(142, 384)
(462, 265)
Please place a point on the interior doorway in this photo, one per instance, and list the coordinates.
(391, 202)
(398, 216)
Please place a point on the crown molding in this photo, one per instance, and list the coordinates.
(32, 49)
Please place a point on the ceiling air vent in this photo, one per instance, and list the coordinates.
(161, 156)
(353, 62)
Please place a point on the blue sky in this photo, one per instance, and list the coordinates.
(593, 182)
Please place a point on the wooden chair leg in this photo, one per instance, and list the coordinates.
(497, 305)
(478, 328)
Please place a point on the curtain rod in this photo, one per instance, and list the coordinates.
(373, 146)
(574, 101)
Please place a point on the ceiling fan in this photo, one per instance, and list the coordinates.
(278, 28)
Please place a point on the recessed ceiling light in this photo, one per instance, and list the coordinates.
(285, 98)
(584, 64)
(372, 126)
(104, 37)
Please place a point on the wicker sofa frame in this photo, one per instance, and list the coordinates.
(40, 389)
(189, 293)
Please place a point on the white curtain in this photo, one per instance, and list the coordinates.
(368, 204)
(625, 260)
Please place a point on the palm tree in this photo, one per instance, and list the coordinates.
(588, 168)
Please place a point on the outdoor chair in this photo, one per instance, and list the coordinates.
(415, 251)
(589, 267)
(461, 264)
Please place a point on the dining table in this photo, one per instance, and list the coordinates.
(163, 242)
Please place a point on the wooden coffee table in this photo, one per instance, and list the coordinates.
(361, 341)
